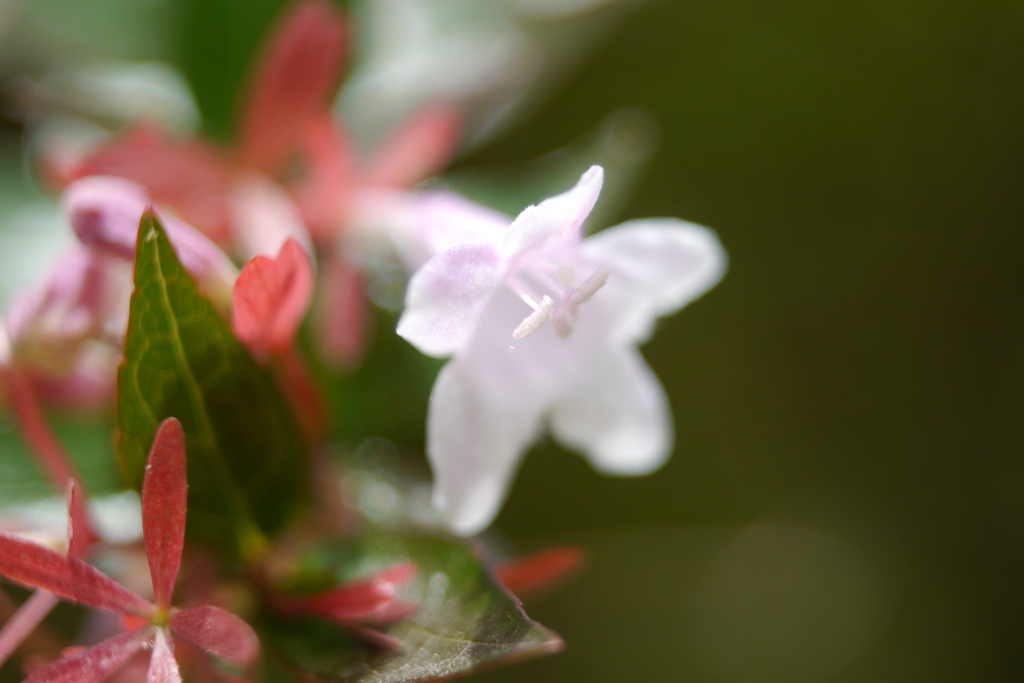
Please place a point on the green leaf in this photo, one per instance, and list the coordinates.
(464, 621)
(246, 456)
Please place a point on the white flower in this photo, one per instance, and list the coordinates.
(542, 326)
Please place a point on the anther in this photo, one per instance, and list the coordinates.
(533, 321)
(585, 291)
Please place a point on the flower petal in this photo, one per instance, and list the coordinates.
(447, 296)
(163, 667)
(342, 315)
(96, 663)
(298, 74)
(418, 149)
(219, 632)
(555, 221)
(270, 299)
(67, 577)
(164, 507)
(105, 213)
(658, 266)
(264, 217)
(474, 441)
(619, 417)
(190, 177)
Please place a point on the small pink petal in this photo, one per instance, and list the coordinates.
(298, 74)
(536, 572)
(164, 507)
(326, 195)
(96, 663)
(219, 632)
(271, 297)
(343, 314)
(163, 667)
(188, 176)
(67, 577)
(419, 149)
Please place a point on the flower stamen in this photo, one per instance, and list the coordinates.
(533, 322)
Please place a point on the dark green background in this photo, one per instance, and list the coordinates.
(845, 502)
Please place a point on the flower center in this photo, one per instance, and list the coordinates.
(545, 281)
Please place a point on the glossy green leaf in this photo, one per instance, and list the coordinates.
(246, 456)
(464, 620)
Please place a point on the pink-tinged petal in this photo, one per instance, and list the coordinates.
(67, 577)
(163, 667)
(619, 417)
(219, 632)
(188, 176)
(23, 622)
(325, 197)
(81, 535)
(421, 147)
(271, 298)
(447, 296)
(538, 572)
(298, 74)
(96, 663)
(474, 439)
(105, 213)
(343, 314)
(164, 508)
(264, 218)
(658, 266)
(556, 221)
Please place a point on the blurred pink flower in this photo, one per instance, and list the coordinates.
(542, 326)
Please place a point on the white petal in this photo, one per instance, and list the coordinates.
(264, 217)
(619, 418)
(555, 221)
(658, 266)
(445, 220)
(475, 438)
(447, 296)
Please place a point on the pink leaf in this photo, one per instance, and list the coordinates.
(219, 632)
(95, 663)
(163, 668)
(298, 74)
(537, 572)
(419, 149)
(271, 297)
(39, 567)
(164, 506)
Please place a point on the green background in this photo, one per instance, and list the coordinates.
(845, 501)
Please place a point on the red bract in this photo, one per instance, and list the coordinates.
(538, 572)
(373, 600)
(270, 299)
(164, 500)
